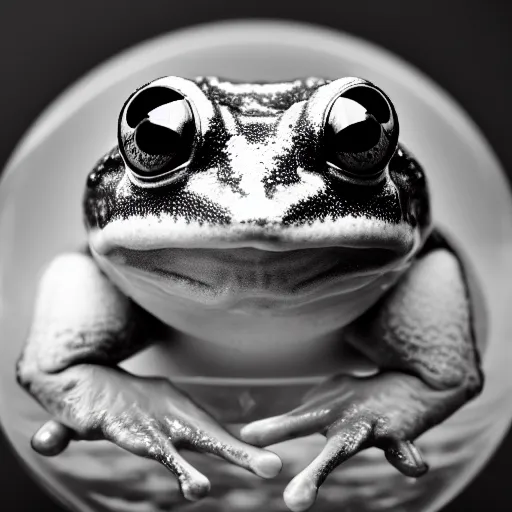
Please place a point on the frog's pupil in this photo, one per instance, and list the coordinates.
(359, 137)
(154, 139)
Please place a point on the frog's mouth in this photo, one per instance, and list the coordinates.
(162, 232)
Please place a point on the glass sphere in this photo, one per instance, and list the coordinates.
(40, 217)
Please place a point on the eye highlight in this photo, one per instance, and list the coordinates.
(156, 133)
(361, 132)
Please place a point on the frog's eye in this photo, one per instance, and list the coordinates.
(156, 134)
(361, 132)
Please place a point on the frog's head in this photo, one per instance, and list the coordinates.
(229, 190)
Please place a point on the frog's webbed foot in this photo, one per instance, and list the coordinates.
(420, 335)
(83, 327)
(151, 418)
(387, 411)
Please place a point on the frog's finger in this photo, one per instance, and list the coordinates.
(218, 441)
(283, 427)
(263, 463)
(156, 445)
(301, 492)
(52, 438)
(405, 457)
(193, 484)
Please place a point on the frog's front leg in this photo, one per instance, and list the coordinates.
(421, 336)
(83, 327)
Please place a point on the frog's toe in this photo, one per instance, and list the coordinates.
(406, 457)
(52, 438)
(342, 443)
(276, 429)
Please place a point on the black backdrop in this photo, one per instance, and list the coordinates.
(465, 45)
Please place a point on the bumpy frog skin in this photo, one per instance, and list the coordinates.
(255, 216)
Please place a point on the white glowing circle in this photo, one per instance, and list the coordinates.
(40, 216)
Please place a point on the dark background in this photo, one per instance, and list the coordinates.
(464, 45)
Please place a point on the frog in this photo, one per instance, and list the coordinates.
(256, 222)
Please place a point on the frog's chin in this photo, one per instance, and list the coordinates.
(254, 319)
(251, 281)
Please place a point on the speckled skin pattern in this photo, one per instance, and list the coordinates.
(255, 224)
(259, 125)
